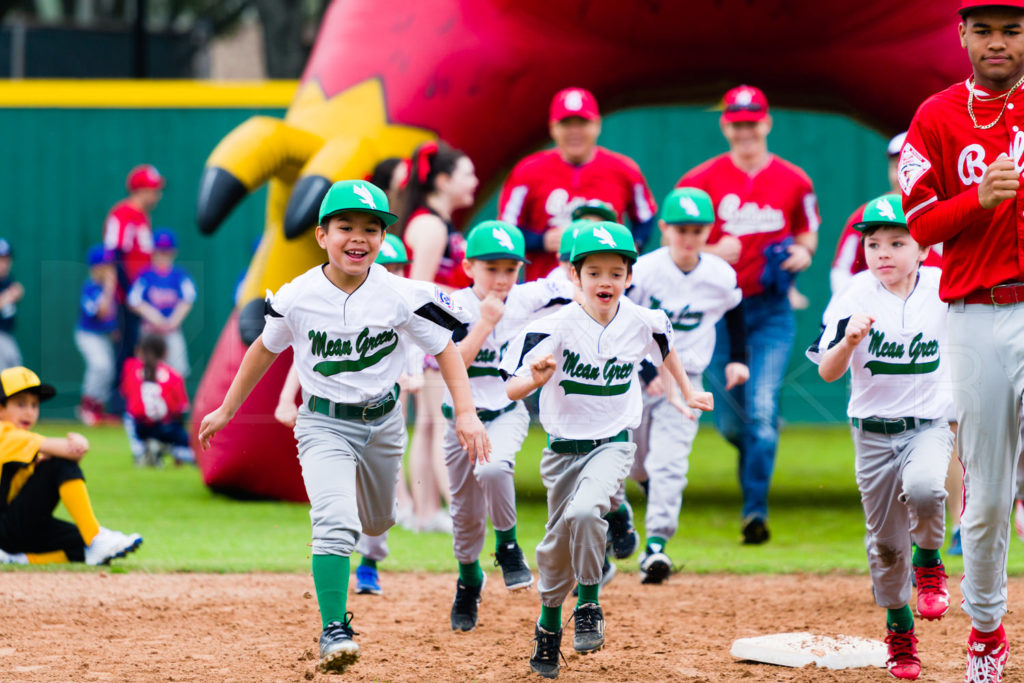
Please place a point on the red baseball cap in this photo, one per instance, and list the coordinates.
(144, 177)
(745, 103)
(574, 102)
(967, 5)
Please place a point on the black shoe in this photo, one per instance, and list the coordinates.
(337, 649)
(464, 609)
(755, 532)
(655, 566)
(546, 652)
(509, 556)
(622, 536)
(608, 572)
(589, 628)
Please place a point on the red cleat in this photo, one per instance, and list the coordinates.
(986, 656)
(932, 594)
(903, 661)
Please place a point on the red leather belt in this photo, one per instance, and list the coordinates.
(1000, 295)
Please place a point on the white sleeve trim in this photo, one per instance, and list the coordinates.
(920, 206)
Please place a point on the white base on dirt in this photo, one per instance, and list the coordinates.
(801, 649)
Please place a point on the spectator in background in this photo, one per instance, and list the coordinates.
(11, 293)
(97, 321)
(766, 226)
(542, 190)
(442, 180)
(162, 296)
(391, 175)
(128, 232)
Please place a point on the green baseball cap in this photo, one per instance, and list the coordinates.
(392, 250)
(595, 207)
(884, 211)
(356, 195)
(569, 238)
(604, 237)
(688, 205)
(493, 240)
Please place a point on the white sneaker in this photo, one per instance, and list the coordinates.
(109, 544)
(12, 558)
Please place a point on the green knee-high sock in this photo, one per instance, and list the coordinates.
(470, 573)
(588, 594)
(367, 562)
(503, 537)
(550, 618)
(900, 620)
(330, 576)
(656, 543)
(926, 558)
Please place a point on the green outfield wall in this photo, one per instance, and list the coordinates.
(66, 153)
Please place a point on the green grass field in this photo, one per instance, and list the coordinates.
(816, 519)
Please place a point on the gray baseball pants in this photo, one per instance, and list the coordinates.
(580, 490)
(986, 350)
(902, 483)
(350, 469)
(100, 364)
(485, 489)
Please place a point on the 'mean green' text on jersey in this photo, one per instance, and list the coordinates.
(693, 301)
(350, 348)
(594, 392)
(897, 370)
(524, 303)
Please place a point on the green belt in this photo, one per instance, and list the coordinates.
(895, 425)
(484, 415)
(367, 412)
(583, 446)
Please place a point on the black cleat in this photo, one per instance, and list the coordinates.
(655, 566)
(755, 532)
(514, 569)
(546, 652)
(589, 628)
(464, 609)
(337, 649)
(622, 535)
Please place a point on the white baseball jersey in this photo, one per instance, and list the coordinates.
(524, 303)
(594, 392)
(897, 370)
(693, 301)
(558, 274)
(350, 348)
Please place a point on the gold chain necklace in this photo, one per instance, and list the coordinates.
(1006, 100)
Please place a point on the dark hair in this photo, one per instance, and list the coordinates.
(152, 348)
(870, 230)
(383, 172)
(430, 160)
(577, 265)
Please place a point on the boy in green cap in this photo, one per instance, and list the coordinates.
(498, 309)
(695, 289)
(586, 357)
(348, 323)
(888, 327)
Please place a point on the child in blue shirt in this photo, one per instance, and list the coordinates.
(97, 320)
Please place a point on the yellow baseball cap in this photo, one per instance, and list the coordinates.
(18, 379)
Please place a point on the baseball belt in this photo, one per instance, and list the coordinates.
(484, 415)
(890, 426)
(583, 446)
(1000, 295)
(367, 412)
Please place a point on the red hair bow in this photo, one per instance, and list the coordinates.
(426, 153)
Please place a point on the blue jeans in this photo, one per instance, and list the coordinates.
(748, 415)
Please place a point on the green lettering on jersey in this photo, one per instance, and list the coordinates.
(612, 370)
(682, 321)
(918, 351)
(371, 348)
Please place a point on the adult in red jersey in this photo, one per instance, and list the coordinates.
(849, 259)
(960, 175)
(128, 232)
(766, 226)
(543, 189)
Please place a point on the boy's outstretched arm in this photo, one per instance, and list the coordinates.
(468, 427)
(836, 360)
(541, 370)
(702, 400)
(255, 363)
(71, 448)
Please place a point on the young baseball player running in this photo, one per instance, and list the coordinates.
(589, 402)
(498, 309)
(695, 290)
(889, 328)
(348, 323)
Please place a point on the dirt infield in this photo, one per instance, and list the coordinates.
(263, 627)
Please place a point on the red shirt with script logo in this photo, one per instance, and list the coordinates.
(162, 399)
(543, 189)
(849, 259)
(760, 209)
(940, 168)
(129, 232)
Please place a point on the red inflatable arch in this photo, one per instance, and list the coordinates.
(383, 78)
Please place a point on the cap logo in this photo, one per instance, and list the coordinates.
(885, 209)
(574, 100)
(503, 239)
(363, 192)
(604, 237)
(388, 250)
(744, 98)
(689, 206)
